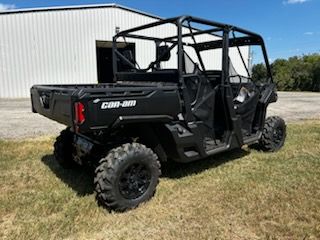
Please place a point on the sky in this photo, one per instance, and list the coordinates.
(289, 27)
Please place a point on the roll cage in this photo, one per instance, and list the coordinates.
(187, 27)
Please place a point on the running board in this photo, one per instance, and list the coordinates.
(253, 138)
(221, 148)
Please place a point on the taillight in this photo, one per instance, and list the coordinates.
(79, 113)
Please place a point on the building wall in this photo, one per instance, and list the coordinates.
(54, 47)
(59, 47)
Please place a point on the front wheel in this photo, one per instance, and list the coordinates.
(126, 177)
(273, 135)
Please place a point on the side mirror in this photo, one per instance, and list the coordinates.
(163, 53)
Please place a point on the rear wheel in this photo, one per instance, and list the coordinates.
(273, 135)
(126, 177)
(63, 149)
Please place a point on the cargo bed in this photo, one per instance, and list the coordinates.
(104, 104)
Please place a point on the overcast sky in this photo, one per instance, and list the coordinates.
(289, 27)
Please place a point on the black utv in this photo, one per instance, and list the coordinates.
(194, 97)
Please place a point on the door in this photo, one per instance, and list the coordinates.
(104, 59)
(104, 64)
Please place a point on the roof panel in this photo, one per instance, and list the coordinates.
(77, 7)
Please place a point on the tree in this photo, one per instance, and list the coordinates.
(281, 74)
(259, 72)
(298, 73)
(316, 76)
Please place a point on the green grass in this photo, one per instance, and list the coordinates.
(244, 194)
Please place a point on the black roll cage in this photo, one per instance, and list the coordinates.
(181, 22)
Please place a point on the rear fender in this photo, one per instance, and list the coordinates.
(151, 135)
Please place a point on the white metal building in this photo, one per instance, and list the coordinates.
(62, 45)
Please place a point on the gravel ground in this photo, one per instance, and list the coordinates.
(17, 120)
(295, 106)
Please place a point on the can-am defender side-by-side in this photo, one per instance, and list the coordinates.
(192, 99)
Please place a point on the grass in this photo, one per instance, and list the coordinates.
(244, 194)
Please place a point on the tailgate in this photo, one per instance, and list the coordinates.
(53, 102)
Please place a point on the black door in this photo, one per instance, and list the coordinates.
(104, 60)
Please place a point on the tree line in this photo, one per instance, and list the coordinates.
(298, 73)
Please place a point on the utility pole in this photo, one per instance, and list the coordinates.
(250, 60)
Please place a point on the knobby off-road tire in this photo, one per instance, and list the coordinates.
(126, 177)
(273, 135)
(63, 149)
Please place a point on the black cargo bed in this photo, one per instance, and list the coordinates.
(57, 101)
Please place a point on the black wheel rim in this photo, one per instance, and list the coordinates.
(278, 136)
(134, 181)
